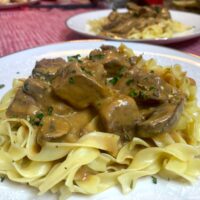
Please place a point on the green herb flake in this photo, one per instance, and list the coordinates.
(136, 14)
(133, 93)
(128, 82)
(40, 123)
(39, 115)
(2, 178)
(157, 9)
(96, 57)
(114, 9)
(2, 86)
(114, 80)
(121, 71)
(152, 88)
(74, 58)
(152, 71)
(71, 80)
(36, 120)
(142, 94)
(26, 87)
(154, 180)
(50, 110)
(86, 71)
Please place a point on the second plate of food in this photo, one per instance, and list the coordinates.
(7, 4)
(141, 24)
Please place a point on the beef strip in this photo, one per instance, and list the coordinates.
(119, 115)
(22, 105)
(42, 93)
(77, 87)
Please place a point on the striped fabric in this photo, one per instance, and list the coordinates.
(25, 28)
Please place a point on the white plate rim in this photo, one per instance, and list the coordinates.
(88, 45)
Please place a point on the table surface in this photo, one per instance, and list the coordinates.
(24, 28)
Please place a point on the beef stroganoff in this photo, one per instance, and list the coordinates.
(87, 124)
(138, 22)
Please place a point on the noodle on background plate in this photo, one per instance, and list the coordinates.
(138, 22)
(98, 161)
(163, 29)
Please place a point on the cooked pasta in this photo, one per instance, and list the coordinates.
(99, 160)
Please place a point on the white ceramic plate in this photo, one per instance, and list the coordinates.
(16, 4)
(79, 24)
(21, 64)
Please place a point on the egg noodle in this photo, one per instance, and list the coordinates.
(163, 29)
(98, 161)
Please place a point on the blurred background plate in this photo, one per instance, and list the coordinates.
(79, 24)
(18, 4)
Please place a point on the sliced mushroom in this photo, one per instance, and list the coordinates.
(65, 128)
(160, 120)
(46, 68)
(53, 128)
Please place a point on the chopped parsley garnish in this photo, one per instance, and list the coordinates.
(39, 115)
(50, 110)
(152, 88)
(142, 94)
(96, 57)
(121, 71)
(119, 74)
(26, 87)
(152, 71)
(86, 71)
(114, 9)
(71, 80)
(136, 14)
(37, 119)
(114, 80)
(157, 9)
(128, 82)
(74, 58)
(2, 86)
(2, 178)
(133, 93)
(154, 180)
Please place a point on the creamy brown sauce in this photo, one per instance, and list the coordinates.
(105, 91)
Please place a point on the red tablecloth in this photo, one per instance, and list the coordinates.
(25, 28)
